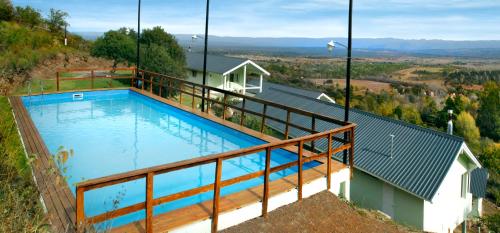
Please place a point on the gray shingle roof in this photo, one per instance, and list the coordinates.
(216, 64)
(479, 179)
(421, 157)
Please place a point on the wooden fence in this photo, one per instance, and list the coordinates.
(93, 74)
(169, 87)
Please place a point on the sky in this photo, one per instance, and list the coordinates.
(404, 19)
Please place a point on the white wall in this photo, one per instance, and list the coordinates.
(254, 210)
(448, 208)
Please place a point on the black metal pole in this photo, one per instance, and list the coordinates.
(138, 56)
(65, 35)
(205, 59)
(348, 76)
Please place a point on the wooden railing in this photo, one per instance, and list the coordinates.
(93, 74)
(169, 87)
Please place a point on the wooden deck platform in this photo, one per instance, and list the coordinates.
(60, 202)
(57, 198)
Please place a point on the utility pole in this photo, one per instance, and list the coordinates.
(348, 77)
(65, 35)
(205, 58)
(138, 56)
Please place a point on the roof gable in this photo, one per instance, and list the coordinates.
(218, 64)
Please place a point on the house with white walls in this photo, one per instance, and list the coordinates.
(227, 73)
(417, 176)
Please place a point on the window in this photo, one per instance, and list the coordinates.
(194, 73)
(465, 185)
(231, 78)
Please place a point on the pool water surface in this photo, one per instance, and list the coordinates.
(110, 132)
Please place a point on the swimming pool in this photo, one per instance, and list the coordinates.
(118, 131)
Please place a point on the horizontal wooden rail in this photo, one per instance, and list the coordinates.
(149, 173)
(171, 88)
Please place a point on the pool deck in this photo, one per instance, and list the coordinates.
(57, 198)
(60, 202)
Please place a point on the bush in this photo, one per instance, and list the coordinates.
(28, 16)
(492, 222)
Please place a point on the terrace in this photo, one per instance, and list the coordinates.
(226, 108)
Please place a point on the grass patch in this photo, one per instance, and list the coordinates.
(20, 210)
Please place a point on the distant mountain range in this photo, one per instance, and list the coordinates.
(362, 46)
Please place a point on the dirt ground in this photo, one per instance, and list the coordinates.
(323, 212)
(373, 86)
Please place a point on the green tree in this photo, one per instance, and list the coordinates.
(158, 36)
(410, 114)
(488, 118)
(6, 10)
(28, 16)
(466, 127)
(115, 45)
(157, 59)
(57, 20)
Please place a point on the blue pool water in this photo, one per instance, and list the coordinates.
(117, 131)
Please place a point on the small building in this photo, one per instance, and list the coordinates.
(227, 73)
(417, 176)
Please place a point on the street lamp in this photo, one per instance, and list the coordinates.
(193, 39)
(331, 45)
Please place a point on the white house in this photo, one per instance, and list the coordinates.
(417, 176)
(228, 73)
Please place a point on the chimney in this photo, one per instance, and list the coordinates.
(392, 144)
(450, 122)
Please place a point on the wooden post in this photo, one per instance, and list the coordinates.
(215, 202)
(57, 80)
(351, 152)
(224, 106)
(151, 84)
(80, 210)
(263, 118)
(300, 179)
(170, 88)
(181, 87)
(207, 101)
(133, 78)
(265, 198)
(161, 87)
(243, 111)
(329, 163)
(92, 79)
(313, 128)
(149, 202)
(287, 126)
(192, 99)
(142, 80)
